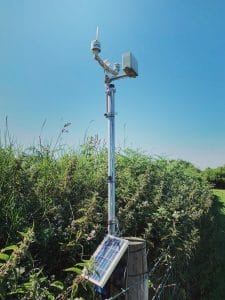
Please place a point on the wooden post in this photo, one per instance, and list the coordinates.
(137, 277)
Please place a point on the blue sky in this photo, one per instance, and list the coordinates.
(175, 108)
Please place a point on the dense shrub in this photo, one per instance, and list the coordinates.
(65, 197)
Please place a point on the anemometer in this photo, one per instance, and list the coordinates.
(112, 73)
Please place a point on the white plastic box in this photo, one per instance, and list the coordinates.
(129, 64)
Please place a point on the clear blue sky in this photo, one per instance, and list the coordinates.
(176, 107)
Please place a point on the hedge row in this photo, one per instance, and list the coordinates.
(65, 198)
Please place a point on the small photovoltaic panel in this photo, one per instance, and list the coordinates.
(106, 258)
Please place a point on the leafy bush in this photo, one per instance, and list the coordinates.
(65, 196)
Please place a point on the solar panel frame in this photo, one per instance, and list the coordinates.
(106, 257)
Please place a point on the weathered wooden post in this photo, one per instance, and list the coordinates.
(137, 276)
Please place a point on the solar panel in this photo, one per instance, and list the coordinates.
(106, 258)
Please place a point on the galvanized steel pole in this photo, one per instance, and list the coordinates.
(110, 115)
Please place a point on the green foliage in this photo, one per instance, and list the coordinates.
(216, 177)
(65, 197)
(220, 194)
(207, 268)
(11, 258)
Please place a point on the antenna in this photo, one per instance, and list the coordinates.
(97, 34)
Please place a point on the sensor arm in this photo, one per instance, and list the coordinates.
(105, 66)
(113, 78)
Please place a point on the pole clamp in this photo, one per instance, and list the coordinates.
(110, 179)
(109, 115)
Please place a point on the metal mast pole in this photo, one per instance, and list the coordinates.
(110, 115)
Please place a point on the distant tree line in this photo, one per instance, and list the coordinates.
(216, 176)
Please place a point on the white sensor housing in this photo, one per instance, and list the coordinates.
(129, 64)
(95, 47)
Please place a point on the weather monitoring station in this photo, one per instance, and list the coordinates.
(112, 73)
(107, 258)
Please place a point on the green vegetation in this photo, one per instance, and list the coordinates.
(220, 194)
(59, 201)
(216, 177)
(218, 288)
(208, 266)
